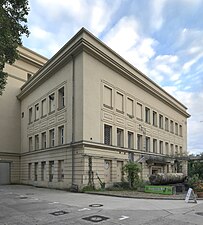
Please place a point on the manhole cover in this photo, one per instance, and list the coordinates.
(95, 218)
(59, 213)
(95, 205)
(199, 213)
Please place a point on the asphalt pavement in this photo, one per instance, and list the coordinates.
(27, 205)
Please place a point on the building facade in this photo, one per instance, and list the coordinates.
(87, 112)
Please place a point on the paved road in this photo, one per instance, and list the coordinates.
(26, 205)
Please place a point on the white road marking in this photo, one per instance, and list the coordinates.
(124, 217)
(84, 209)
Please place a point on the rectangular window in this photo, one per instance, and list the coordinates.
(176, 150)
(171, 126)
(51, 103)
(180, 130)
(130, 104)
(147, 115)
(37, 142)
(154, 145)
(36, 171)
(181, 151)
(154, 118)
(161, 147)
(44, 107)
(172, 149)
(51, 138)
(36, 111)
(139, 142)
(166, 148)
(147, 143)
(51, 171)
(120, 138)
(61, 135)
(30, 144)
(44, 140)
(119, 102)
(43, 170)
(139, 111)
(60, 170)
(161, 122)
(130, 140)
(29, 171)
(30, 115)
(107, 135)
(166, 124)
(176, 128)
(61, 98)
(107, 97)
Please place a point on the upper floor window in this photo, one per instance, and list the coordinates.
(172, 149)
(61, 135)
(119, 102)
(61, 98)
(155, 145)
(166, 148)
(129, 104)
(154, 118)
(30, 115)
(161, 147)
(51, 138)
(120, 137)
(36, 142)
(171, 126)
(44, 107)
(176, 128)
(36, 111)
(166, 124)
(44, 140)
(147, 115)
(161, 122)
(139, 111)
(130, 140)
(107, 97)
(147, 143)
(52, 103)
(139, 142)
(107, 135)
(180, 130)
(30, 144)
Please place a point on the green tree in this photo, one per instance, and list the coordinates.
(195, 167)
(132, 170)
(13, 19)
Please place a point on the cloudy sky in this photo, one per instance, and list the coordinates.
(162, 38)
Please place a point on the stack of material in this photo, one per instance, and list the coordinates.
(166, 178)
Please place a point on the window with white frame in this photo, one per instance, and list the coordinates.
(44, 108)
(30, 115)
(107, 134)
(147, 115)
(139, 141)
(130, 140)
(51, 103)
(30, 144)
(120, 137)
(129, 107)
(107, 101)
(161, 121)
(154, 122)
(60, 170)
(37, 111)
(61, 135)
(51, 138)
(139, 111)
(119, 102)
(44, 140)
(36, 141)
(61, 98)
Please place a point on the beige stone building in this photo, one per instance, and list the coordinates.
(84, 114)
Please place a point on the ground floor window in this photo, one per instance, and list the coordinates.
(60, 170)
(51, 171)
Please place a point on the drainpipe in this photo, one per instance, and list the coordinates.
(73, 119)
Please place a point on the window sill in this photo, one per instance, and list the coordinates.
(119, 111)
(60, 108)
(107, 106)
